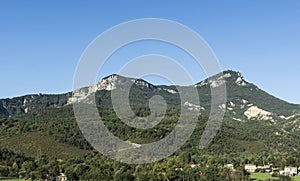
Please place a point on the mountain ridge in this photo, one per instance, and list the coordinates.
(245, 101)
(23, 104)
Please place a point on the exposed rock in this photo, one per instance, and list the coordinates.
(255, 112)
(193, 107)
(240, 81)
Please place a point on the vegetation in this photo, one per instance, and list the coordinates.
(261, 176)
(46, 141)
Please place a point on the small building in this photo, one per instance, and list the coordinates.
(250, 168)
(264, 167)
(230, 166)
(62, 177)
(268, 171)
(281, 172)
(290, 171)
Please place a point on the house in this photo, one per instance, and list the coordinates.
(62, 177)
(291, 171)
(281, 172)
(250, 168)
(230, 166)
(266, 168)
(268, 171)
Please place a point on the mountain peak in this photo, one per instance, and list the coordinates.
(108, 83)
(228, 76)
(113, 81)
(236, 77)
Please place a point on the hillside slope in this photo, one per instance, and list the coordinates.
(254, 121)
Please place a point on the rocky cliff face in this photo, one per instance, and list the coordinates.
(108, 83)
(24, 104)
(222, 78)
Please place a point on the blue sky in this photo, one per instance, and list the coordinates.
(42, 41)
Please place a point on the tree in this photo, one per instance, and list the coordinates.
(53, 168)
(28, 167)
(4, 170)
(14, 170)
(284, 178)
(240, 174)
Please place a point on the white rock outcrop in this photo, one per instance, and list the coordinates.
(255, 112)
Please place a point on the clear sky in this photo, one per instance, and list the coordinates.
(41, 41)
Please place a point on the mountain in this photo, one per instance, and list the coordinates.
(246, 105)
(28, 103)
(239, 92)
(245, 102)
(257, 127)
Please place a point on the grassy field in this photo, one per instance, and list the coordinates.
(261, 176)
(265, 176)
(297, 178)
(34, 144)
